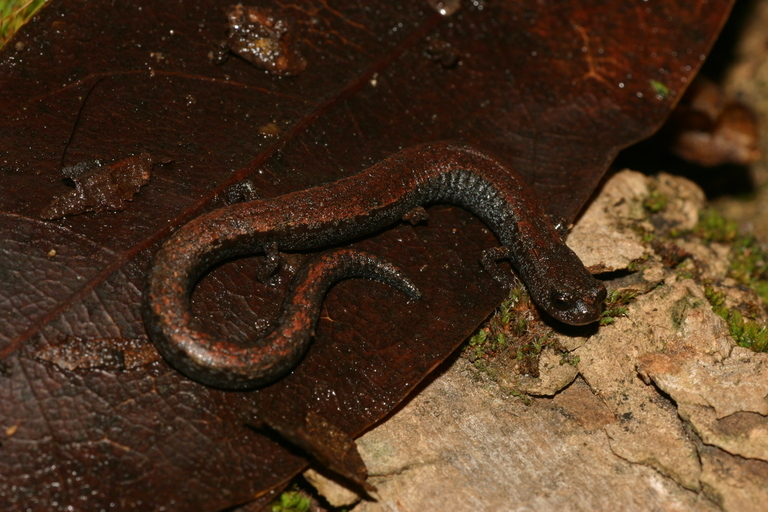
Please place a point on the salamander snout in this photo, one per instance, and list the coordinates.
(578, 306)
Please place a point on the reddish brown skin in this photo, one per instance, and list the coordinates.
(440, 172)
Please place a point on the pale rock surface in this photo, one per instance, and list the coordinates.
(601, 246)
(334, 493)
(553, 376)
(463, 445)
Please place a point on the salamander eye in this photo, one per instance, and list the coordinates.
(561, 300)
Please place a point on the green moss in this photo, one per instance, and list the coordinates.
(291, 501)
(716, 300)
(532, 348)
(616, 305)
(509, 336)
(660, 89)
(686, 271)
(14, 13)
(713, 227)
(655, 201)
(675, 233)
(639, 264)
(746, 333)
(761, 288)
(748, 267)
(679, 310)
(749, 264)
(522, 396)
(485, 343)
(568, 358)
(504, 324)
(645, 235)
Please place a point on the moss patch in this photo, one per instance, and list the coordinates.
(616, 305)
(510, 338)
(748, 267)
(746, 333)
(14, 13)
(291, 501)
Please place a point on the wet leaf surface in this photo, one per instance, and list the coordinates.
(556, 90)
(100, 187)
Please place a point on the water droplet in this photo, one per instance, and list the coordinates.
(445, 7)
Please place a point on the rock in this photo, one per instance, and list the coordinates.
(602, 245)
(334, 493)
(462, 447)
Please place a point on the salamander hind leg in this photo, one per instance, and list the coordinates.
(266, 272)
(416, 216)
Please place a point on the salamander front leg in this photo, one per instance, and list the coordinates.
(416, 216)
(488, 261)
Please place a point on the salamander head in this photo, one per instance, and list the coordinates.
(576, 305)
(558, 282)
(560, 285)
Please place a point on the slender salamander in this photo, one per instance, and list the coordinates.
(379, 196)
